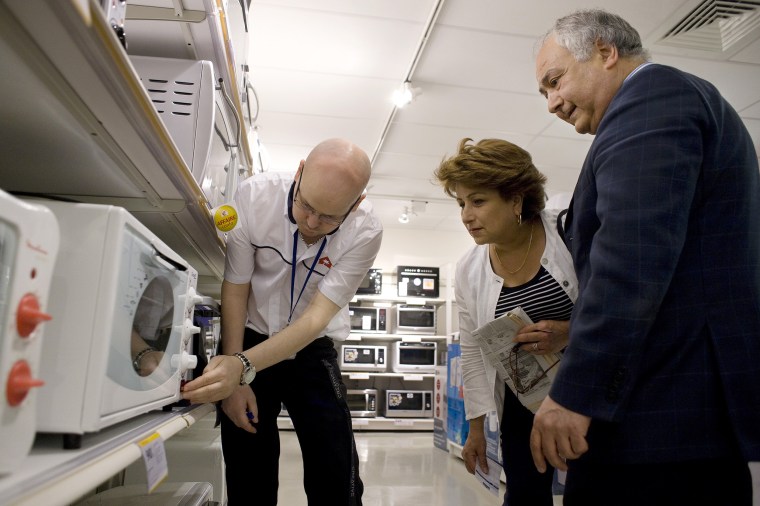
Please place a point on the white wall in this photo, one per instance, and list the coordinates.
(408, 246)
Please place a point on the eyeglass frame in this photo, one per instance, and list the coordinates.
(323, 218)
(514, 371)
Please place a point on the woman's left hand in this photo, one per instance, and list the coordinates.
(546, 336)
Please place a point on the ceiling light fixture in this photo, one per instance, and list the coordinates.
(416, 207)
(404, 217)
(405, 94)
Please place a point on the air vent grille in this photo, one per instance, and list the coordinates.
(715, 25)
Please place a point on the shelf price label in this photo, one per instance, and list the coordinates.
(398, 422)
(154, 457)
(358, 376)
(413, 377)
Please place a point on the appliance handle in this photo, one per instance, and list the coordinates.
(164, 260)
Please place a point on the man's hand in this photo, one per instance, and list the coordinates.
(220, 378)
(558, 434)
(241, 408)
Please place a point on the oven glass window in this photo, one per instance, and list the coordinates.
(152, 326)
(363, 319)
(417, 356)
(357, 402)
(8, 244)
(416, 318)
(405, 400)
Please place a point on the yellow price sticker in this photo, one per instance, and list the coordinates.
(225, 217)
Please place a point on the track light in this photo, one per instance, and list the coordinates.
(404, 217)
(405, 94)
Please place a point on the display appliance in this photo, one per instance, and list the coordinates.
(361, 357)
(408, 403)
(362, 403)
(28, 247)
(412, 357)
(414, 319)
(123, 306)
(369, 320)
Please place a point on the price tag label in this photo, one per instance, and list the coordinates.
(360, 421)
(403, 423)
(154, 457)
(413, 377)
(358, 376)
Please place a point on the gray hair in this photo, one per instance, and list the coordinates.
(579, 31)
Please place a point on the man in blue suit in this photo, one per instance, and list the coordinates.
(658, 397)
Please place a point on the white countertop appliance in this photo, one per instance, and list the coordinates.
(28, 248)
(123, 305)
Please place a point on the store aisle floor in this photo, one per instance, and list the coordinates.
(398, 469)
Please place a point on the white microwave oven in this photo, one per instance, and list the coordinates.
(408, 403)
(361, 357)
(369, 320)
(415, 357)
(28, 248)
(362, 403)
(415, 319)
(122, 305)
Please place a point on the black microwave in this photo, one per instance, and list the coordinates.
(418, 281)
(369, 320)
(413, 319)
(363, 357)
(372, 284)
(362, 403)
(415, 357)
(409, 403)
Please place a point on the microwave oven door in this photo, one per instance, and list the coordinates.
(367, 320)
(362, 403)
(147, 331)
(362, 358)
(408, 403)
(416, 320)
(415, 357)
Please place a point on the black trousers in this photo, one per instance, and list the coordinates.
(525, 485)
(718, 482)
(311, 387)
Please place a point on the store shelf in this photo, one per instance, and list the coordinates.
(398, 300)
(80, 126)
(356, 336)
(363, 375)
(378, 423)
(50, 475)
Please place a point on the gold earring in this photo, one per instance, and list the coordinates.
(519, 219)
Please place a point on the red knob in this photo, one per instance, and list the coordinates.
(19, 382)
(28, 315)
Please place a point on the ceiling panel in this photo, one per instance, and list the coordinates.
(328, 68)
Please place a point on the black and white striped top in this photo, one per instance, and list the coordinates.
(542, 298)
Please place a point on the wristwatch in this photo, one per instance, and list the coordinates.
(249, 372)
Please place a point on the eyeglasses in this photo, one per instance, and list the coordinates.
(327, 219)
(523, 368)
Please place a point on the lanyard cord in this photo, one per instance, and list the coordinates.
(293, 272)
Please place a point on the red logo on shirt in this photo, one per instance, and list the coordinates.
(326, 262)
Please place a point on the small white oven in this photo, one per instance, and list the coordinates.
(28, 247)
(122, 303)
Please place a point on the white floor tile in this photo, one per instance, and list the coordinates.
(398, 469)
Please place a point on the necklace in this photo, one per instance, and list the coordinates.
(525, 259)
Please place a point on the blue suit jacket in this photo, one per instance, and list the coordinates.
(664, 230)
